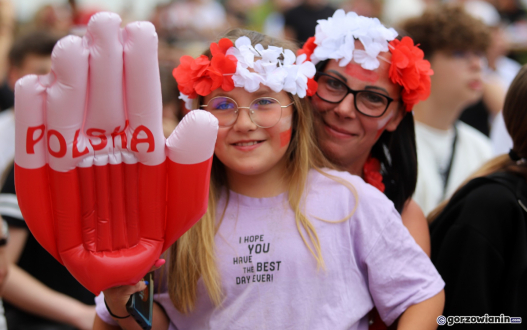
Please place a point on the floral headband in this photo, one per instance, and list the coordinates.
(234, 65)
(335, 39)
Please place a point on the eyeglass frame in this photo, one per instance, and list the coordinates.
(354, 92)
(249, 109)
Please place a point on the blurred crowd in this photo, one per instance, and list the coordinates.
(187, 27)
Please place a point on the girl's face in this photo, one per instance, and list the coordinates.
(246, 149)
(345, 135)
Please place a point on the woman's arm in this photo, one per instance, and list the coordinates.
(30, 295)
(415, 221)
(423, 315)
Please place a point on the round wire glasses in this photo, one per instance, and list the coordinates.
(264, 112)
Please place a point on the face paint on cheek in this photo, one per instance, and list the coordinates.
(359, 72)
(381, 125)
(285, 132)
(285, 137)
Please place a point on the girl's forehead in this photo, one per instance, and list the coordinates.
(240, 94)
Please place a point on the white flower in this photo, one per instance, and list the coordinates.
(244, 52)
(247, 79)
(188, 101)
(335, 39)
(275, 67)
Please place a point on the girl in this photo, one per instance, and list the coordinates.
(479, 236)
(285, 244)
(363, 119)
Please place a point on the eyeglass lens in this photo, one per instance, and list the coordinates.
(264, 112)
(367, 102)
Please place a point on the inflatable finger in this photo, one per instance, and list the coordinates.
(97, 183)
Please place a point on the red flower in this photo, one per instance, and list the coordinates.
(312, 86)
(410, 70)
(372, 173)
(184, 76)
(221, 47)
(201, 76)
(225, 66)
(308, 48)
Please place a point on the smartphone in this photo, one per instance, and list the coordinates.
(140, 304)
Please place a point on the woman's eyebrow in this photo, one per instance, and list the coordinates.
(377, 88)
(338, 74)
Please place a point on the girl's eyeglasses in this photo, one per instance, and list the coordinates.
(368, 103)
(264, 112)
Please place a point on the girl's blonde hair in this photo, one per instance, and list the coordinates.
(515, 117)
(193, 255)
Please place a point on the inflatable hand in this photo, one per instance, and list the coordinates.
(98, 185)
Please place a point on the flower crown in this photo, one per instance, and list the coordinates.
(335, 39)
(234, 65)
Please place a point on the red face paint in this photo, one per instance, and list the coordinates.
(285, 137)
(355, 70)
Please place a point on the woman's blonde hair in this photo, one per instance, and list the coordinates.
(515, 117)
(193, 255)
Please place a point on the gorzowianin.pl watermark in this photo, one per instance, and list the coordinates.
(485, 319)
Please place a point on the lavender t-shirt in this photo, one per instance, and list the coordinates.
(271, 280)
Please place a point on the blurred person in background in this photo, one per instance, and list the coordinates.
(479, 238)
(179, 19)
(30, 54)
(368, 8)
(395, 12)
(301, 20)
(56, 19)
(448, 150)
(39, 293)
(173, 108)
(499, 73)
(7, 29)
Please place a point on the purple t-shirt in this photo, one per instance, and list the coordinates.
(270, 278)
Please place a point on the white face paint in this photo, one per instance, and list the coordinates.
(383, 121)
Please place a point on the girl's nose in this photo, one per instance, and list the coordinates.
(243, 121)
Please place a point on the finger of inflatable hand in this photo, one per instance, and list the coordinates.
(30, 122)
(143, 93)
(66, 101)
(190, 148)
(187, 198)
(193, 139)
(109, 206)
(105, 99)
(152, 194)
(66, 203)
(31, 171)
(32, 189)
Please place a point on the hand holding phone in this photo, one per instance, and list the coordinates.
(140, 305)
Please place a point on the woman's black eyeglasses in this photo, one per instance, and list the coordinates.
(368, 103)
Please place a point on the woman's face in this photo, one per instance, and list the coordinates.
(244, 148)
(345, 135)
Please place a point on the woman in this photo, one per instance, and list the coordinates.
(363, 118)
(479, 237)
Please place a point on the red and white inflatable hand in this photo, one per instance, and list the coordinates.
(98, 185)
